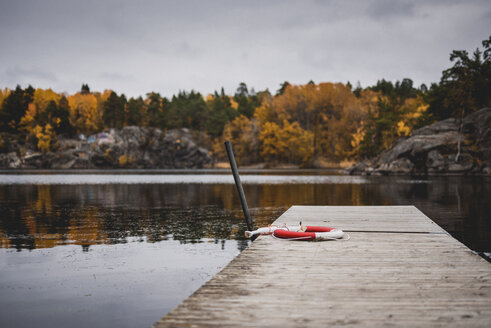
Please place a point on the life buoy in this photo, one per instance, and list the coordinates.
(310, 233)
(299, 232)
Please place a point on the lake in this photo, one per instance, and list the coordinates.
(107, 248)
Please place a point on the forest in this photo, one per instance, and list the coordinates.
(305, 125)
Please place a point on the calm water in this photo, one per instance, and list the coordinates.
(125, 248)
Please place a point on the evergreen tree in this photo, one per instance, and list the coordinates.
(221, 112)
(48, 115)
(29, 94)
(135, 112)
(14, 108)
(282, 88)
(357, 91)
(155, 110)
(187, 110)
(242, 89)
(465, 87)
(63, 114)
(385, 87)
(113, 115)
(247, 103)
(85, 90)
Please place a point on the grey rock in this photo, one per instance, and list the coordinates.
(433, 150)
(435, 160)
(465, 164)
(130, 147)
(10, 160)
(399, 166)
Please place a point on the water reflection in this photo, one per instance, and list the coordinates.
(43, 216)
(132, 252)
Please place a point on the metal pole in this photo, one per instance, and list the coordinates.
(238, 184)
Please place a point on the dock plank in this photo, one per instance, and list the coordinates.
(362, 218)
(374, 279)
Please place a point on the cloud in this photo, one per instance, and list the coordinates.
(391, 9)
(13, 75)
(167, 46)
(114, 76)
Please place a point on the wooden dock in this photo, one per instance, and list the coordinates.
(399, 269)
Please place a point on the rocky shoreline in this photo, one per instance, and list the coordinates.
(433, 149)
(131, 147)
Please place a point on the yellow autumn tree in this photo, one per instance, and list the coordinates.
(85, 114)
(42, 97)
(287, 143)
(37, 109)
(45, 137)
(328, 114)
(3, 94)
(243, 133)
(284, 118)
(28, 121)
(335, 113)
(355, 119)
(233, 103)
(265, 113)
(272, 147)
(412, 110)
(299, 144)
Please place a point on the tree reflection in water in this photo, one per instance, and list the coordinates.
(41, 216)
(146, 247)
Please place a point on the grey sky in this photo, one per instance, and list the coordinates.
(136, 47)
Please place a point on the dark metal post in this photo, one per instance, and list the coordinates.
(238, 184)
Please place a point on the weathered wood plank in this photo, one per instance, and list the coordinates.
(374, 279)
(362, 218)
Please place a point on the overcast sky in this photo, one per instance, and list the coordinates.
(135, 47)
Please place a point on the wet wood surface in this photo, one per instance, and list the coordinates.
(398, 269)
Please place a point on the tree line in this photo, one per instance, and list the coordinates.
(298, 124)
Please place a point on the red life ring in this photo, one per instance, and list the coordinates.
(309, 233)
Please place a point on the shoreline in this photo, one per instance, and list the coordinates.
(226, 171)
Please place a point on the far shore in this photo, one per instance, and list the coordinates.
(318, 165)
